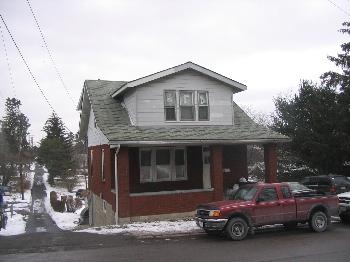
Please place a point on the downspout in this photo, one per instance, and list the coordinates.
(117, 148)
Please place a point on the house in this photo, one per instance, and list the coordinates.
(159, 145)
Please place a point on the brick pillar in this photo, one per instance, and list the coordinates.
(123, 183)
(270, 159)
(216, 172)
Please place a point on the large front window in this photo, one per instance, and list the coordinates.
(162, 164)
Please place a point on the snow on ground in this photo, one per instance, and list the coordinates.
(147, 228)
(65, 221)
(17, 210)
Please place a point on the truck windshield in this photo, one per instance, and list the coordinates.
(245, 193)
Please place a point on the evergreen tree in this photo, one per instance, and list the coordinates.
(318, 117)
(55, 150)
(15, 152)
(310, 118)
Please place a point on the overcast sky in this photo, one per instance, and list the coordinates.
(268, 45)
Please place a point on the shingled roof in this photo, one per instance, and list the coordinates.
(113, 120)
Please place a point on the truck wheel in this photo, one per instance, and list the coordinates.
(318, 221)
(237, 228)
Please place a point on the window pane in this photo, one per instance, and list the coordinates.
(179, 157)
(203, 98)
(285, 192)
(163, 157)
(203, 113)
(163, 172)
(186, 98)
(146, 158)
(187, 113)
(170, 114)
(180, 172)
(145, 173)
(169, 98)
(268, 194)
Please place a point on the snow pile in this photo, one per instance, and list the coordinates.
(147, 228)
(17, 211)
(65, 221)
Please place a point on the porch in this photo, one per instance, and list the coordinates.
(166, 182)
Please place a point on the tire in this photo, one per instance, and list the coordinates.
(318, 221)
(290, 225)
(237, 229)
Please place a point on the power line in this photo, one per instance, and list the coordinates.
(30, 71)
(8, 63)
(341, 9)
(49, 52)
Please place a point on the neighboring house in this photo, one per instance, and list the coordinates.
(158, 145)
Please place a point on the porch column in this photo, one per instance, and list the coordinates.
(270, 159)
(216, 172)
(123, 183)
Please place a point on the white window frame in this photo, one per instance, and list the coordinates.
(167, 106)
(153, 168)
(193, 105)
(199, 105)
(91, 161)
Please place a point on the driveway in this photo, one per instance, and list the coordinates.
(38, 219)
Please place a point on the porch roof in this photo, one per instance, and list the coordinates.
(113, 120)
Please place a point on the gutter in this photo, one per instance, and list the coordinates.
(117, 148)
(201, 142)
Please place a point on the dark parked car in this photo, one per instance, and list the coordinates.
(334, 184)
(299, 190)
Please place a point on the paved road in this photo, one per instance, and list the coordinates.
(39, 220)
(267, 245)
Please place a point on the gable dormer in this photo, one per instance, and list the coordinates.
(187, 94)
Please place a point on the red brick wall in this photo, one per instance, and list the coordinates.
(166, 204)
(96, 185)
(216, 172)
(123, 183)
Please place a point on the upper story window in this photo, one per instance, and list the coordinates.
(187, 106)
(203, 105)
(170, 105)
(191, 105)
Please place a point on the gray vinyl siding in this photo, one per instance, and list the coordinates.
(130, 102)
(150, 105)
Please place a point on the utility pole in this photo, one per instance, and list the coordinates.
(21, 171)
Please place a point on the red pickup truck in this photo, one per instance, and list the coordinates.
(265, 204)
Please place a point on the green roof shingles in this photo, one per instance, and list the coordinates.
(113, 120)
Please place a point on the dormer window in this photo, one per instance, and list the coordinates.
(203, 106)
(186, 106)
(170, 105)
(190, 106)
